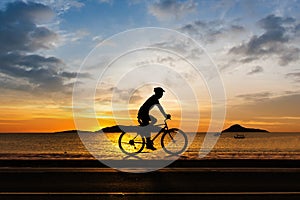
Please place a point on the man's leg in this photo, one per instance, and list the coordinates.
(149, 144)
(147, 133)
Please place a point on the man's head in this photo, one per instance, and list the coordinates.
(159, 92)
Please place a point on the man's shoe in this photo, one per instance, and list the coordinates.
(150, 146)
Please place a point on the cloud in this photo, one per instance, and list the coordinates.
(21, 36)
(106, 1)
(289, 54)
(19, 31)
(98, 38)
(211, 31)
(275, 40)
(124, 95)
(118, 96)
(295, 75)
(255, 70)
(168, 9)
(275, 109)
(266, 105)
(61, 6)
(74, 36)
(40, 72)
(255, 97)
(183, 47)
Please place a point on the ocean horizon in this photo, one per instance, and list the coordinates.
(60, 146)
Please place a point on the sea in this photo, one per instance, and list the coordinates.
(70, 146)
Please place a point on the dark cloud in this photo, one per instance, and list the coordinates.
(40, 72)
(278, 32)
(247, 59)
(74, 75)
(275, 23)
(167, 9)
(21, 36)
(19, 30)
(255, 70)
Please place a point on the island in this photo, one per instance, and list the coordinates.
(122, 128)
(239, 128)
(111, 129)
(72, 131)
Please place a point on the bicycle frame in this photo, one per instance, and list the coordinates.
(163, 129)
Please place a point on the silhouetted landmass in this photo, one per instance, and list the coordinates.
(67, 131)
(131, 129)
(239, 128)
(111, 129)
(73, 131)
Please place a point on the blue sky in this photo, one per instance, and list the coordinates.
(254, 43)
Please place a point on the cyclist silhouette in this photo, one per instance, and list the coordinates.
(144, 118)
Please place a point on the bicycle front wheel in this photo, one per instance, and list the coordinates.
(174, 141)
(131, 143)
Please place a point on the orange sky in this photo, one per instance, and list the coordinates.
(28, 114)
(31, 120)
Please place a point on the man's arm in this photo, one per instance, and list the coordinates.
(162, 110)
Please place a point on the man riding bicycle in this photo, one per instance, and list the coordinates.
(143, 115)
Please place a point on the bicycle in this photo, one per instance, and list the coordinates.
(173, 141)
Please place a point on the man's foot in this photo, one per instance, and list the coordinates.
(150, 146)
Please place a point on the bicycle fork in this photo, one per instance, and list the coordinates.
(171, 137)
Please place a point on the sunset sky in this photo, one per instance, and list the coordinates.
(255, 45)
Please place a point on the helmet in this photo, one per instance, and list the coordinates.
(158, 89)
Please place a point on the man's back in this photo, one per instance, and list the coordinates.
(145, 108)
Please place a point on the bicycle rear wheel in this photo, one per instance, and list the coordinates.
(174, 141)
(131, 143)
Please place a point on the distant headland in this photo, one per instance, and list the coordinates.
(111, 129)
(239, 128)
(73, 131)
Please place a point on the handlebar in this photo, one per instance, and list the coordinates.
(166, 120)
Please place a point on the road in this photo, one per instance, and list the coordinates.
(181, 180)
